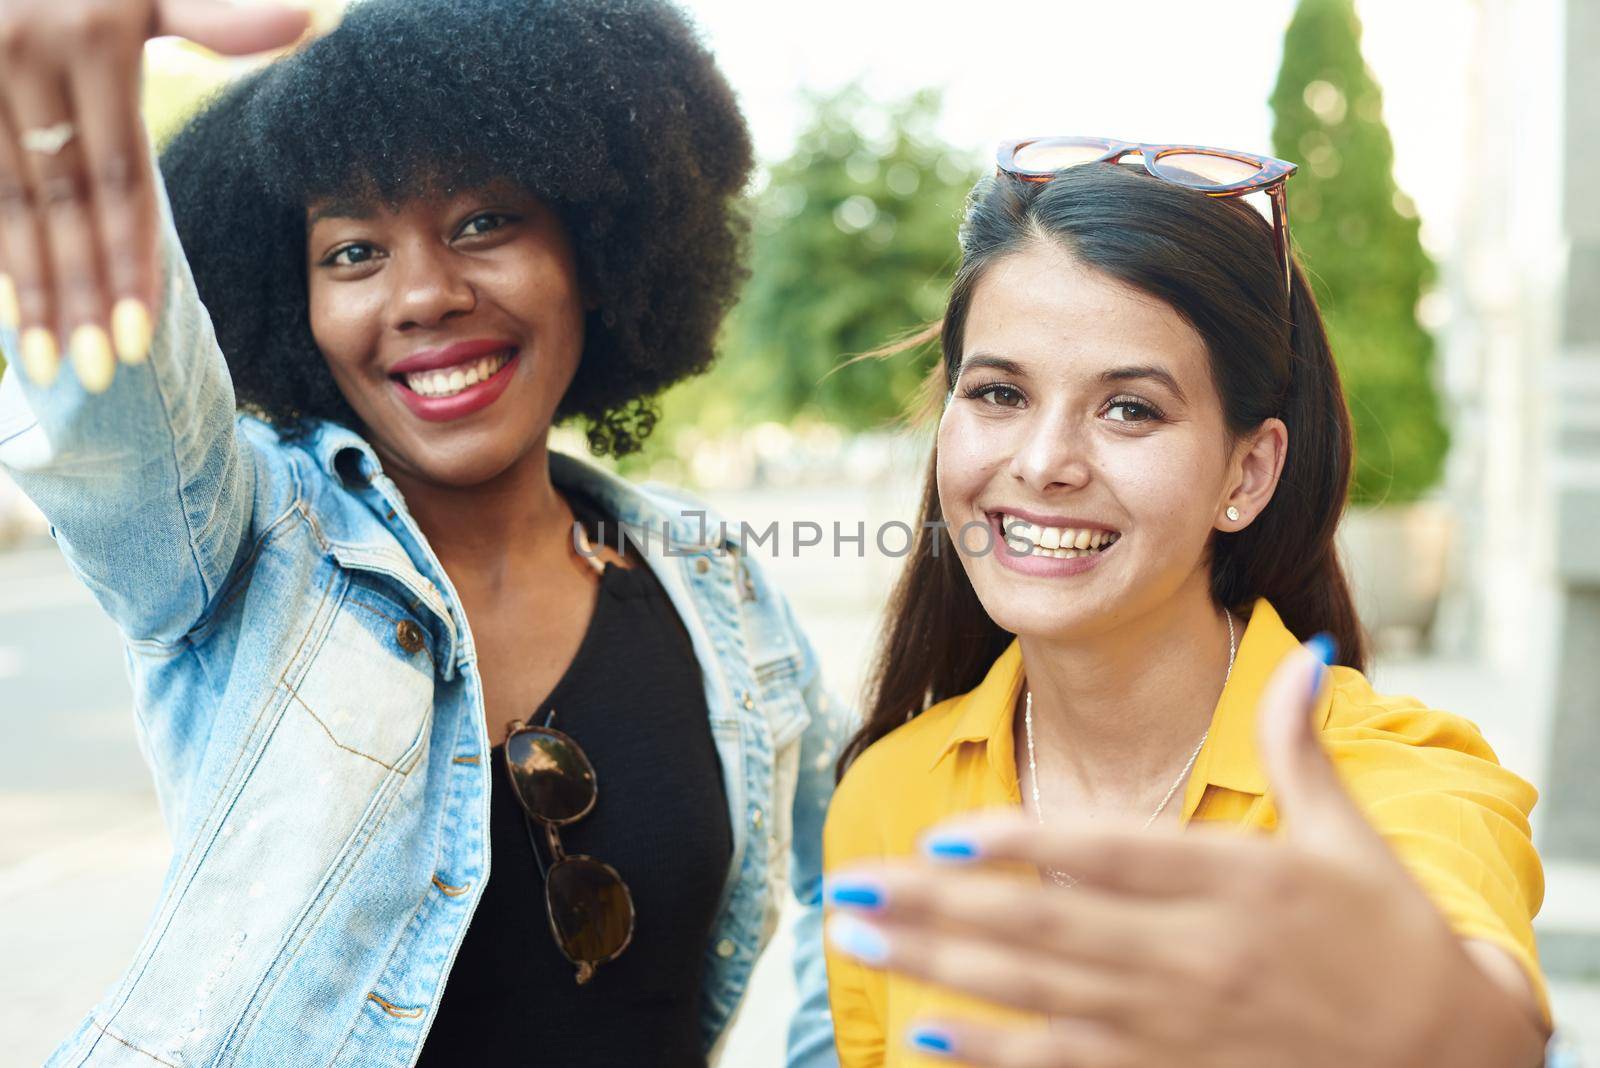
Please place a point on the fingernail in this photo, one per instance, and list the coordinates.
(1324, 648)
(324, 20)
(949, 847)
(853, 892)
(91, 358)
(930, 1040)
(130, 330)
(10, 310)
(858, 938)
(40, 357)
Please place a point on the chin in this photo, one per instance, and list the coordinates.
(1054, 609)
(1053, 618)
(465, 463)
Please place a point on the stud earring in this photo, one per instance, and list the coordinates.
(1233, 514)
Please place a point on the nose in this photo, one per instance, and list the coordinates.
(1052, 454)
(429, 287)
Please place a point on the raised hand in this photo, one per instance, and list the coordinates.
(78, 211)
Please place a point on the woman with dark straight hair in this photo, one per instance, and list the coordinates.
(1128, 531)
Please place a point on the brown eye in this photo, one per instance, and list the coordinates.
(1131, 411)
(357, 254)
(998, 396)
(482, 224)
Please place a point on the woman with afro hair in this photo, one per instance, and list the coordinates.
(470, 752)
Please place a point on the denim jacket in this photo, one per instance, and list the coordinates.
(307, 696)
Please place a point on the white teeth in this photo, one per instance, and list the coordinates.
(1020, 529)
(450, 381)
(1057, 542)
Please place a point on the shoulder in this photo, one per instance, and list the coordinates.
(703, 523)
(1388, 746)
(894, 768)
(1357, 712)
(668, 497)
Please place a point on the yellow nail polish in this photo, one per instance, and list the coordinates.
(91, 358)
(10, 310)
(130, 330)
(39, 355)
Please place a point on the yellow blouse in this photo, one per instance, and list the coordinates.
(1427, 780)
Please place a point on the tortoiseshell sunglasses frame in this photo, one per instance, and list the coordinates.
(1270, 177)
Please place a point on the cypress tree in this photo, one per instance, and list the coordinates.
(1357, 235)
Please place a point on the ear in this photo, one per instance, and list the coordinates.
(1253, 475)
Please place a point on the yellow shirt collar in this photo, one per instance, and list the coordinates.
(1229, 759)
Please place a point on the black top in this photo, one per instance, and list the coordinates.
(633, 699)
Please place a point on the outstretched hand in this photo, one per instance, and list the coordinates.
(78, 209)
(1195, 948)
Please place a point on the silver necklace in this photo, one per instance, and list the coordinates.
(1062, 878)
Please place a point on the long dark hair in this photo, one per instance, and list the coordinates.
(1214, 262)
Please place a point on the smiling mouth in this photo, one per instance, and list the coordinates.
(449, 381)
(1063, 543)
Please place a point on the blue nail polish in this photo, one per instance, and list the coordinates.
(1324, 648)
(859, 939)
(949, 847)
(930, 1040)
(853, 893)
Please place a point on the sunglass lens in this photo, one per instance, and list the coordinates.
(1042, 157)
(554, 779)
(1203, 170)
(591, 910)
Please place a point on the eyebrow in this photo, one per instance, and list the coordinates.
(340, 209)
(997, 363)
(1155, 374)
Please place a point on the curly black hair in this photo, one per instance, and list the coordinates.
(611, 112)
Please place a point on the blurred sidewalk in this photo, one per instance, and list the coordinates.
(82, 850)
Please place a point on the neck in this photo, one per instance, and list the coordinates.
(1119, 713)
(487, 534)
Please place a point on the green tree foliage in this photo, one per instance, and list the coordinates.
(1358, 235)
(854, 245)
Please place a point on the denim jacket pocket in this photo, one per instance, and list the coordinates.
(380, 712)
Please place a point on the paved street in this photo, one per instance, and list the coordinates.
(82, 849)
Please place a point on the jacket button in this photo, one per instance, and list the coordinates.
(749, 702)
(702, 565)
(409, 635)
(726, 948)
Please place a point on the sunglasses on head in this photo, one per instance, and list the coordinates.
(589, 906)
(1216, 172)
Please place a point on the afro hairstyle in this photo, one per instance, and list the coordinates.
(611, 112)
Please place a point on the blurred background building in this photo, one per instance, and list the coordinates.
(1445, 207)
